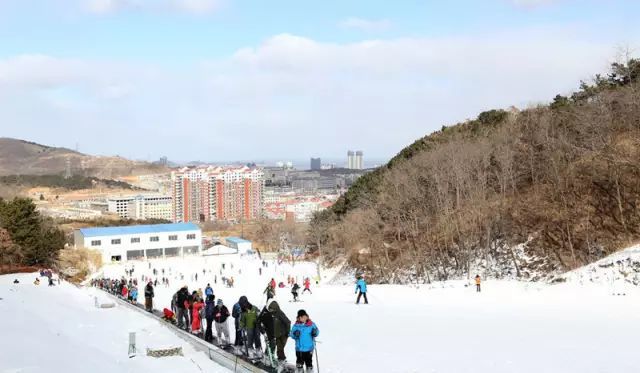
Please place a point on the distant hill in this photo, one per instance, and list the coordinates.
(522, 194)
(19, 157)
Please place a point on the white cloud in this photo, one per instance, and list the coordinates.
(290, 95)
(365, 24)
(184, 6)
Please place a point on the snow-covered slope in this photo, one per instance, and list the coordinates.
(59, 329)
(618, 272)
(443, 327)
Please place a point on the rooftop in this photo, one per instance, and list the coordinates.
(138, 229)
(236, 240)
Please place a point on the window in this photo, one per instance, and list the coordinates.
(135, 240)
(173, 237)
(115, 241)
(96, 243)
(154, 239)
(191, 236)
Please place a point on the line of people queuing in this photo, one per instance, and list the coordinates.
(190, 309)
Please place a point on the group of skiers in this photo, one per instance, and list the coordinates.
(127, 290)
(250, 323)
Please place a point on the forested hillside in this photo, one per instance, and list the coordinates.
(511, 193)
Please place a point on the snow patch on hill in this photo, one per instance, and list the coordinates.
(619, 271)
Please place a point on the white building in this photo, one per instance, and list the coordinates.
(243, 246)
(141, 241)
(141, 207)
(303, 211)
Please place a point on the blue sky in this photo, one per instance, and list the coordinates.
(253, 79)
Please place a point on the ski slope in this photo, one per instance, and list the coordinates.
(59, 329)
(444, 327)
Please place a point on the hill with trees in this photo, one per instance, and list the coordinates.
(511, 193)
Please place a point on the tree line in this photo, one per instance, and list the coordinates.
(545, 189)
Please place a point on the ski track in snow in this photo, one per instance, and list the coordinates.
(442, 327)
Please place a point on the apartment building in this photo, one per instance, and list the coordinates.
(222, 193)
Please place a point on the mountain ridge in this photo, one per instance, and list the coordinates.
(24, 157)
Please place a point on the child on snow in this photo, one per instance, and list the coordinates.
(478, 283)
(196, 320)
(294, 291)
(304, 332)
(361, 286)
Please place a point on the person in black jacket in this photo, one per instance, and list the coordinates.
(209, 312)
(276, 325)
(221, 314)
(183, 310)
(148, 297)
(294, 291)
(236, 313)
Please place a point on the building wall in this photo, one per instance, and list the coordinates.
(141, 207)
(110, 249)
(217, 193)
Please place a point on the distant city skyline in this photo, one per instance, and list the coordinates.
(230, 79)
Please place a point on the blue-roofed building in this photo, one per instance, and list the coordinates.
(141, 241)
(243, 246)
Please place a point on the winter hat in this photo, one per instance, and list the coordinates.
(219, 302)
(302, 313)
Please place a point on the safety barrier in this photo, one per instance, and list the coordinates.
(228, 360)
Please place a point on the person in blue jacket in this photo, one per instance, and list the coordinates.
(304, 332)
(208, 291)
(361, 285)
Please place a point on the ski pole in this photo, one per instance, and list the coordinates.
(315, 349)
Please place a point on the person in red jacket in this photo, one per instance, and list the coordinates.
(196, 321)
(273, 284)
(125, 291)
(307, 285)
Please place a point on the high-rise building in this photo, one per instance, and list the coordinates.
(222, 193)
(359, 161)
(316, 164)
(351, 160)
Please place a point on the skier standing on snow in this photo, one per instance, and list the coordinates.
(181, 304)
(209, 313)
(249, 323)
(361, 290)
(196, 318)
(148, 297)
(221, 314)
(478, 283)
(133, 295)
(304, 332)
(307, 285)
(236, 313)
(276, 325)
(294, 291)
(208, 291)
(270, 291)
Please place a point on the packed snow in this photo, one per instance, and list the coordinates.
(59, 329)
(587, 323)
(442, 327)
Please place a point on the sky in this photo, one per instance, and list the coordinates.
(222, 80)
